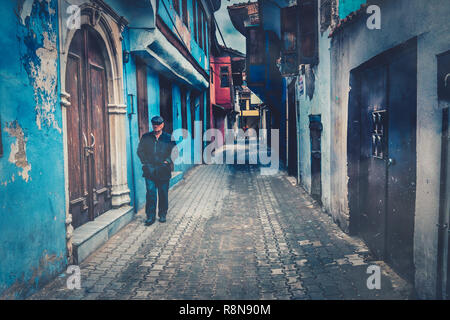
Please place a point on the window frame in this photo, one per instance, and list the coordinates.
(194, 9)
(185, 14)
(176, 6)
(200, 24)
(226, 74)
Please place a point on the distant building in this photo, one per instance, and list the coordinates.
(363, 113)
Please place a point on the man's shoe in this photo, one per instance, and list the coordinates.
(150, 221)
(162, 219)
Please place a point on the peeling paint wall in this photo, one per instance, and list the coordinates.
(32, 213)
(319, 104)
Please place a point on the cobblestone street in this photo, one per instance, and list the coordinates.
(232, 233)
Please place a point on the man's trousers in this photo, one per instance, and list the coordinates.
(162, 188)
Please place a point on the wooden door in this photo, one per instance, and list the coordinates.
(88, 129)
(165, 100)
(142, 99)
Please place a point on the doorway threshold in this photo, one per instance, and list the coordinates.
(93, 234)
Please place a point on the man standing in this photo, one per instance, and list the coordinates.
(155, 150)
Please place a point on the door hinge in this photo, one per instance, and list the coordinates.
(442, 226)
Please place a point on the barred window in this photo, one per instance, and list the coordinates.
(325, 15)
(379, 134)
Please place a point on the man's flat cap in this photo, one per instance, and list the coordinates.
(157, 120)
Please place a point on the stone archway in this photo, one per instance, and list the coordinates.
(107, 27)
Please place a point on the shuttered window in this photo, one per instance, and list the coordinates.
(256, 46)
(308, 32)
(185, 12)
(200, 25)
(325, 14)
(194, 10)
(176, 6)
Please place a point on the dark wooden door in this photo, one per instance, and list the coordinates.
(165, 100)
(88, 129)
(315, 130)
(292, 134)
(183, 109)
(142, 99)
(388, 157)
(192, 111)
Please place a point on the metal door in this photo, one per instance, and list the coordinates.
(292, 131)
(88, 129)
(443, 281)
(373, 175)
(401, 160)
(315, 129)
(388, 156)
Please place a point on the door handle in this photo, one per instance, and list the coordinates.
(391, 162)
(93, 138)
(88, 150)
(85, 140)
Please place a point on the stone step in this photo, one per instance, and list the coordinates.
(92, 235)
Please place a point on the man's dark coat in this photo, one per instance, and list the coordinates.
(153, 152)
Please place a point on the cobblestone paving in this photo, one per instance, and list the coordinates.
(232, 233)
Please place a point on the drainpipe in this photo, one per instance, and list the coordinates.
(133, 179)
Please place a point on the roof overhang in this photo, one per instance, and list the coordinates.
(159, 54)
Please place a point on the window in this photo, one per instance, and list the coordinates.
(308, 53)
(379, 134)
(289, 28)
(185, 12)
(256, 46)
(224, 77)
(194, 9)
(325, 15)
(205, 45)
(200, 25)
(176, 6)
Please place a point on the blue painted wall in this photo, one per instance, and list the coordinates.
(175, 23)
(32, 210)
(348, 6)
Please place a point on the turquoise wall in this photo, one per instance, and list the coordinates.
(32, 192)
(174, 21)
(348, 6)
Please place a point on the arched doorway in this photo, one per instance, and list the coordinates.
(89, 166)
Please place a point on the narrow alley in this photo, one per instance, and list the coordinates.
(232, 233)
